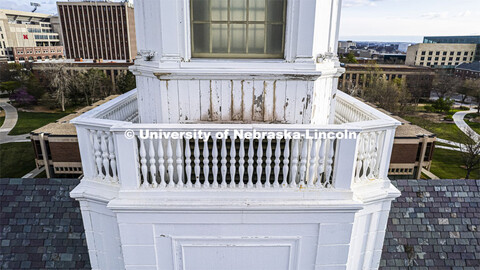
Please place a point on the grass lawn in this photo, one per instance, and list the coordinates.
(474, 125)
(16, 159)
(447, 164)
(28, 121)
(445, 131)
(2, 119)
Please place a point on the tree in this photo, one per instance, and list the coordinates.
(473, 89)
(470, 152)
(22, 98)
(389, 95)
(443, 105)
(61, 78)
(94, 84)
(444, 84)
(419, 86)
(126, 82)
(349, 59)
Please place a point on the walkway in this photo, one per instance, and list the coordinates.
(458, 119)
(11, 118)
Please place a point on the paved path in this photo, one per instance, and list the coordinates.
(11, 118)
(458, 119)
(34, 173)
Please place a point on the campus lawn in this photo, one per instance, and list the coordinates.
(474, 125)
(447, 164)
(446, 131)
(16, 159)
(28, 121)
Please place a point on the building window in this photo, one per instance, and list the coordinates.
(423, 53)
(437, 53)
(422, 58)
(238, 29)
(444, 53)
(430, 53)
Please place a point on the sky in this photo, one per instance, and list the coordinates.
(373, 20)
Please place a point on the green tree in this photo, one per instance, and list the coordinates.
(126, 82)
(94, 85)
(349, 59)
(60, 79)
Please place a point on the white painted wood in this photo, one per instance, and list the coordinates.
(179, 161)
(188, 162)
(170, 172)
(241, 163)
(259, 163)
(151, 161)
(206, 166)
(286, 156)
(232, 163)
(196, 153)
(224, 163)
(276, 168)
(268, 162)
(303, 163)
(215, 162)
(161, 164)
(250, 164)
(143, 164)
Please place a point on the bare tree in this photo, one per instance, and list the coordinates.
(444, 84)
(60, 78)
(470, 152)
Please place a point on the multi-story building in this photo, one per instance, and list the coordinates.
(457, 40)
(443, 55)
(358, 75)
(22, 32)
(98, 30)
(468, 70)
(261, 191)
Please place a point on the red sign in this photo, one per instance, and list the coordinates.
(25, 36)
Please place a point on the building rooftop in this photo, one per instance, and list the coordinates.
(63, 127)
(434, 224)
(474, 66)
(388, 66)
(41, 225)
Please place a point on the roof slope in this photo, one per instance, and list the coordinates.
(41, 226)
(434, 224)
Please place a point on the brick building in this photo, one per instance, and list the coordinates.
(468, 70)
(37, 53)
(98, 30)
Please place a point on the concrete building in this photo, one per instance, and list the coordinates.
(468, 70)
(22, 32)
(233, 201)
(357, 75)
(457, 40)
(442, 55)
(98, 30)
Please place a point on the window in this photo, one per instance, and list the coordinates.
(444, 53)
(423, 53)
(422, 58)
(437, 53)
(238, 28)
(430, 53)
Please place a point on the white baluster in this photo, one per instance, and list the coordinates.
(259, 163)
(268, 162)
(171, 183)
(378, 140)
(188, 162)
(366, 157)
(153, 169)
(286, 161)
(215, 162)
(196, 154)
(250, 164)
(359, 158)
(241, 163)
(98, 153)
(303, 163)
(161, 164)
(224, 163)
(143, 163)
(179, 155)
(113, 162)
(206, 167)
(105, 155)
(328, 169)
(321, 162)
(312, 163)
(276, 168)
(232, 162)
(294, 169)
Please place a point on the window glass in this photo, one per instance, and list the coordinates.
(238, 28)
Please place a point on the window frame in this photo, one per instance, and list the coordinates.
(228, 55)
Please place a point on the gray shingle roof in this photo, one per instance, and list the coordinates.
(41, 226)
(434, 224)
(474, 66)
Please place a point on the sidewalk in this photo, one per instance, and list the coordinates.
(11, 117)
(458, 119)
